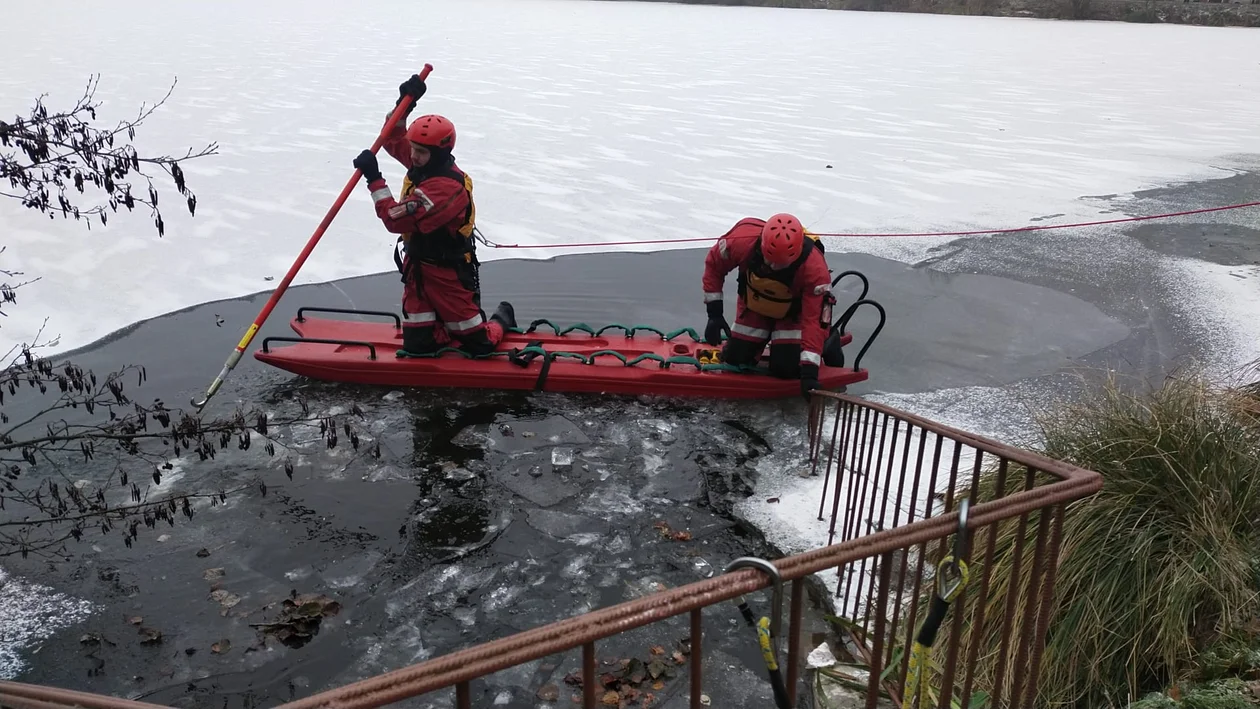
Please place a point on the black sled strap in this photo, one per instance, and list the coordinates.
(523, 360)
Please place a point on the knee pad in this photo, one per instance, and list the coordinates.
(419, 340)
(740, 352)
(476, 343)
(785, 361)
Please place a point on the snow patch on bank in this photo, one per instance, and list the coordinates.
(1221, 304)
(792, 522)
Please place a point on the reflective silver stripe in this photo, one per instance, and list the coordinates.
(810, 358)
(710, 297)
(753, 332)
(722, 249)
(419, 317)
(382, 193)
(465, 325)
(786, 335)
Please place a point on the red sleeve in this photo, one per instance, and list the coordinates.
(435, 202)
(814, 281)
(396, 143)
(729, 251)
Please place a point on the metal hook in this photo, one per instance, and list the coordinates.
(768, 638)
(745, 562)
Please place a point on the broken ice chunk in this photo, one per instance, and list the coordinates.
(561, 459)
(661, 431)
(704, 568)
(820, 657)
(459, 475)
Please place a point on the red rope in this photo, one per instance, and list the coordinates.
(1014, 230)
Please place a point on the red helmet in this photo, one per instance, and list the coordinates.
(782, 239)
(432, 131)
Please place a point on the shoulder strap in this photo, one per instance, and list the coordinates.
(812, 237)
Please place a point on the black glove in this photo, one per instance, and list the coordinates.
(717, 323)
(413, 87)
(366, 163)
(809, 379)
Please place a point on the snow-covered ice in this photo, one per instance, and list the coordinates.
(599, 121)
(1222, 304)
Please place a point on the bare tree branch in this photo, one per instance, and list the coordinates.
(64, 149)
(83, 454)
(42, 506)
(45, 155)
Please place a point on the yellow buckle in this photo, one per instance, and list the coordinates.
(709, 356)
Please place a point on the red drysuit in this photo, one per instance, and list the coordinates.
(435, 216)
(783, 307)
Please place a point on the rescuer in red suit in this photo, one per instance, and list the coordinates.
(784, 297)
(434, 217)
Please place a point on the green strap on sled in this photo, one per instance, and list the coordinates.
(630, 330)
(611, 353)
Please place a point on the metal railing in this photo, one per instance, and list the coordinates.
(852, 463)
(894, 470)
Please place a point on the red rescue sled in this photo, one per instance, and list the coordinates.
(613, 359)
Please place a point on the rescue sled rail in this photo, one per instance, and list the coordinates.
(889, 526)
(321, 341)
(349, 311)
(866, 284)
(843, 323)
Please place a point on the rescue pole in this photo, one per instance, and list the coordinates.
(235, 357)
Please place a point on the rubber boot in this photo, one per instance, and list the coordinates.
(505, 314)
(833, 352)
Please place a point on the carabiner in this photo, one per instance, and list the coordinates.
(955, 562)
(946, 592)
(767, 628)
(776, 601)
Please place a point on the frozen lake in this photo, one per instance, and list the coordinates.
(600, 121)
(607, 121)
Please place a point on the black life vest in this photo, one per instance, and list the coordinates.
(441, 247)
(768, 292)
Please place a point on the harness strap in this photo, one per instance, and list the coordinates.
(459, 247)
(399, 262)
